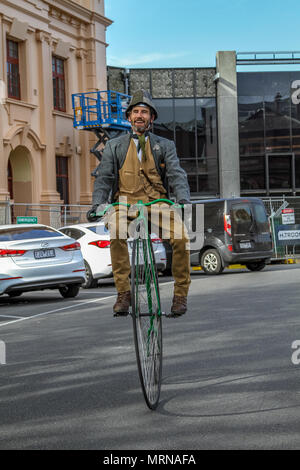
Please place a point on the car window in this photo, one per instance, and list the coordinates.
(241, 218)
(66, 231)
(27, 233)
(261, 218)
(76, 233)
(99, 229)
(213, 215)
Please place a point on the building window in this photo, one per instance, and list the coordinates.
(58, 79)
(13, 75)
(62, 178)
(269, 132)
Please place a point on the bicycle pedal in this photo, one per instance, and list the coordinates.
(173, 315)
(121, 314)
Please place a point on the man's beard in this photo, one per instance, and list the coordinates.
(141, 127)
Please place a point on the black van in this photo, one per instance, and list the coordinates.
(236, 231)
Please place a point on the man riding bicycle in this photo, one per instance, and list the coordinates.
(136, 166)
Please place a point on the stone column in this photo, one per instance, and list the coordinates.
(47, 127)
(82, 137)
(228, 132)
(4, 194)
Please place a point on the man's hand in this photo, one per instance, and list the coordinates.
(96, 208)
(187, 213)
(184, 201)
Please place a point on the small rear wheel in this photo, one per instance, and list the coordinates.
(69, 291)
(211, 262)
(256, 265)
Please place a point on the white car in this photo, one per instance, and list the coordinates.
(37, 257)
(94, 240)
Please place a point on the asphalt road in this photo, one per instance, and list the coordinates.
(70, 379)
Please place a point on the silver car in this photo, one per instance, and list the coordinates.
(37, 257)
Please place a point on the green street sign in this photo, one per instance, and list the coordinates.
(27, 220)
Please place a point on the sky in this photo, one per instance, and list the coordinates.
(188, 33)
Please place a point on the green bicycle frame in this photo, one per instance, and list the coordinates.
(147, 253)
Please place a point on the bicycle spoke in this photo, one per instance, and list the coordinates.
(148, 333)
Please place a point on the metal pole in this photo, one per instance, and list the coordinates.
(293, 174)
(273, 228)
(7, 211)
(267, 174)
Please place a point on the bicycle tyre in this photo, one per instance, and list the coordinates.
(147, 323)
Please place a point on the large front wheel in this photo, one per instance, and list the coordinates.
(147, 324)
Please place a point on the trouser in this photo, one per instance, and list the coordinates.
(166, 223)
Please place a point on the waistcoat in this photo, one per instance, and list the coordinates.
(139, 180)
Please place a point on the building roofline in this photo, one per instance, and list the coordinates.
(160, 68)
(79, 11)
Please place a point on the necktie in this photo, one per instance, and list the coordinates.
(142, 145)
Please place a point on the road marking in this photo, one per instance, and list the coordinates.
(68, 307)
(10, 316)
(56, 310)
(100, 293)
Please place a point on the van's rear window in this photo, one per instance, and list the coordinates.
(261, 217)
(27, 233)
(260, 213)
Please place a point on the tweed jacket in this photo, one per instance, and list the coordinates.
(167, 164)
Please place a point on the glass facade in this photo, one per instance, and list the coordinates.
(191, 124)
(269, 131)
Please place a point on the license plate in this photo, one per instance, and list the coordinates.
(47, 253)
(245, 245)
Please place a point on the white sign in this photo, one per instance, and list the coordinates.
(288, 216)
(289, 235)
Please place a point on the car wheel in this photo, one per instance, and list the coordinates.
(90, 281)
(15, 294)
(69, 291)
(256, 266)
(211, 262)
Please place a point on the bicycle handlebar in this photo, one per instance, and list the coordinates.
(101, 214)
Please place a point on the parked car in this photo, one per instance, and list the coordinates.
(236, 230)
(94, 240)
(37, 257)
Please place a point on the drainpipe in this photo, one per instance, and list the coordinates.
(126, 73)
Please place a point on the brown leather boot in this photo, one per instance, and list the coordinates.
(179, 306)
(121, 307)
